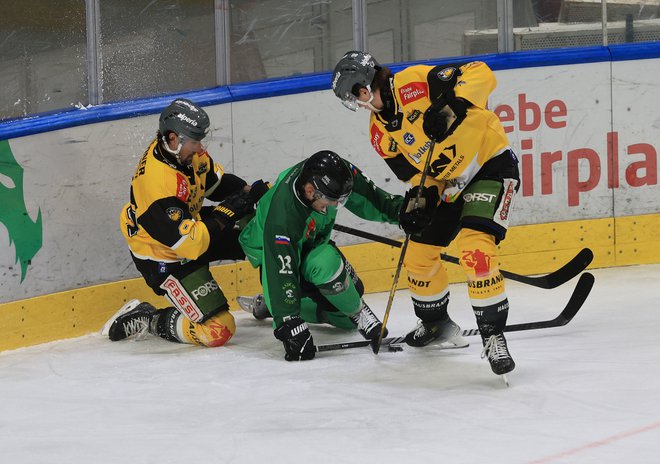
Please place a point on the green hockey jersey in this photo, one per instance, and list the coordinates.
(285, 229)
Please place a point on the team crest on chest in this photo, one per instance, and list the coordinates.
(446, 74)
(175, 214)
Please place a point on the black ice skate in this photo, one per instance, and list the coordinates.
(133, 319)
(442, 332)
(255, 305)
(368, 323)
(496, 350)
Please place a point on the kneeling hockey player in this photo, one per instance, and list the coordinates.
(172, 239)
(304, 275)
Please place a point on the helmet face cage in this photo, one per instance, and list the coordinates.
(352, 102)
(341, 199)
(331, 177)
(186, 119)
(353, 68)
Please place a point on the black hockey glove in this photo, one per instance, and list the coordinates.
(298, 342)
(414, 220)
(443, 116)
(258, 189)
(233, 208)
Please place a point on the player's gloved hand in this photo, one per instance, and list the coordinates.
(258, 189)
(298, 342)
(414, 220)
(443, 116)
(233, 208)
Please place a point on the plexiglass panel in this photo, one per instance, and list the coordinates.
(154, 47)
(276, 38)
(403, 30)
(151, 47)
(42, 55)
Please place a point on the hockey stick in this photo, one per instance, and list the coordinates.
(375, 344)
(577, 299)
(554, 279)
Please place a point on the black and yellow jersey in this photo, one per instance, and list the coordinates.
(162, 221)
(400, 140)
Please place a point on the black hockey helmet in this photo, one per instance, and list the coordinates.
(353, 68)
(329, 174)
(185, 118)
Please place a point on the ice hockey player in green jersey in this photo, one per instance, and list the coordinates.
(304, 275)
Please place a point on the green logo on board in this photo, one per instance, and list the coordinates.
(24, 234)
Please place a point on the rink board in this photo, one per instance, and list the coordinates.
(527, 250)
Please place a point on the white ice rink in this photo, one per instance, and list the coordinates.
(588, 392)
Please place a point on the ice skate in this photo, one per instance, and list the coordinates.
(368, 323)
(132, 320)
(255, 305)
(444, 332)
(497, 352)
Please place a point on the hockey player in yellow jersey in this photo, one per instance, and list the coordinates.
(172, 238)
(470, 185)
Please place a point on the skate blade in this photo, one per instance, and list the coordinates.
(505, 379)
(129, 306)
(245, 303)
(451, 343)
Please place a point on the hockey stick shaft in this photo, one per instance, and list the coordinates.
(562, 275)
(375, 346)
(577, 299)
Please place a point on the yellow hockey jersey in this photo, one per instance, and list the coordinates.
(400, 139)
(162, 220)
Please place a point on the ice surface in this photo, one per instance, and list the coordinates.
(584, 393)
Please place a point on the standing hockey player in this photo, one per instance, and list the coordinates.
(304, 275)
(172, 239)
(472, 180)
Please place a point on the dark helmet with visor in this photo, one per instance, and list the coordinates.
(329, 174)
(185, 118)
(355, 67)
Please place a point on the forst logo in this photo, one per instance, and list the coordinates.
(205, 289)
(478, 196)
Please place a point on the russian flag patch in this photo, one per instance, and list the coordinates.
(282, 240)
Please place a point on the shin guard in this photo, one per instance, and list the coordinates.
(478, 256)
(427, 276)
(174, 326)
